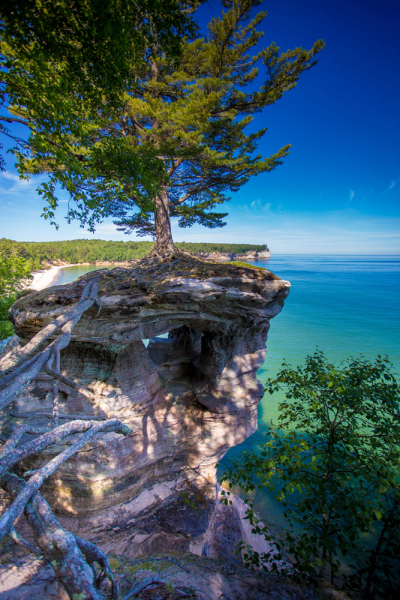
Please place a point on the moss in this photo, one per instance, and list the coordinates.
(121, 564)
(241, 263)
(114, 563)
(22, 293)
(145, 566)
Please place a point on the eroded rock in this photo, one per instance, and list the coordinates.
(188, 397)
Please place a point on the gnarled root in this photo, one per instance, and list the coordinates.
(39, 476)
(62, 549)
(72, 558)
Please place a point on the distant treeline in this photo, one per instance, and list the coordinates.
(81, 251)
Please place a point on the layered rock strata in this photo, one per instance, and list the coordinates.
(188, 397)
(250, 255)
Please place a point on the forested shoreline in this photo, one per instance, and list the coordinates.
(37, 254)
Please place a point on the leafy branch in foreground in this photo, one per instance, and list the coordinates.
(64, 70)
(333, 464)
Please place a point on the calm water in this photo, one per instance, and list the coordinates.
(71, 273)
(345, 305)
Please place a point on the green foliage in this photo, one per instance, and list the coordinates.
(14, 273)
(333, 463)
(100, 38)
(197, 115)
(180, 131)
(213, 247)
(64, 69)
(91, 251)
(242, 263)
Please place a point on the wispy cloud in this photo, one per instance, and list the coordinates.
(390, 187)
(18, 185)
(367, 195)
(352, 194)
(107, 229)
(256, 206)
(6, 175)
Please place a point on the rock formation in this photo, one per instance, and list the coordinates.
(223, 256)
(188, 397)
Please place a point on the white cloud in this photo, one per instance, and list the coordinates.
(255, 207)
(7, 175)
(18, 185)
(352, 194)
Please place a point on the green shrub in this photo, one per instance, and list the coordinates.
(333, 464)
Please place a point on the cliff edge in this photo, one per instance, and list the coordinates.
(187, 397)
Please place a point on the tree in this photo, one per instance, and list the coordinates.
(14, 273)
(188, 122)
(96, 41)
(64, 64)
(333, 463)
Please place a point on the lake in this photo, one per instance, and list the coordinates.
(345, 305)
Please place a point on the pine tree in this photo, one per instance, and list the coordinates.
(189, 122)
(196, 118)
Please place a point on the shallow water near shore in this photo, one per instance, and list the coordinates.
(345, 305)
(69, 274)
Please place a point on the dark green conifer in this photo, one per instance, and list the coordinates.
(196, 117)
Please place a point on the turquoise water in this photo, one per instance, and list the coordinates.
(69, 274)
(345, 305)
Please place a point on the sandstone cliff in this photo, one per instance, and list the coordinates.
(188, 397)
(224, 256)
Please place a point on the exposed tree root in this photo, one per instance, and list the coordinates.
(39, 476)
(12, 383)
(68, 555)
(143, 585)
(72, 558)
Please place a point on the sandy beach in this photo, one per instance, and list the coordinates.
(46, 277)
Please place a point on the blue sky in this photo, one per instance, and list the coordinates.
(339, 190)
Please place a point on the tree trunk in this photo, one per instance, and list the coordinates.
(164, 243)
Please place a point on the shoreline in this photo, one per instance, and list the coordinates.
(45, 277)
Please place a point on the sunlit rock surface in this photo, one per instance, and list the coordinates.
(188, 397)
